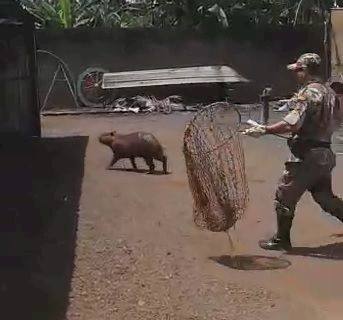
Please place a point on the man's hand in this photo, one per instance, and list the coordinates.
(255, 131)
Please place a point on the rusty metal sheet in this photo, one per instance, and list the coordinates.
(172, 76)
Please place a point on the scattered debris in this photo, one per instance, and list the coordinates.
(137, 104)
(147, 104)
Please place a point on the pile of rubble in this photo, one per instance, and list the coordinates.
(137, 104)
(143, 104)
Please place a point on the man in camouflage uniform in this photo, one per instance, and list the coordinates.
(311, 125)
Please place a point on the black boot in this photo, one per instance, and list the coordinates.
(281, 240)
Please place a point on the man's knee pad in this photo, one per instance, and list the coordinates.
(283, 210)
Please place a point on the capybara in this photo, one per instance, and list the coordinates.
(135, 145)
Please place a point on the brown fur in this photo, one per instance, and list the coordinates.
(135, 145)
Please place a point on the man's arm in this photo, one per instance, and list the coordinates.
(292, 122)
(301, 101)
(281, 128)
(306, 100)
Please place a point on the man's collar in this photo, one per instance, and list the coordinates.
(312, 80)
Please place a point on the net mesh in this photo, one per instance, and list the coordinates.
(215, 167)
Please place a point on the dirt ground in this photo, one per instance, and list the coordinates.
(122, 245)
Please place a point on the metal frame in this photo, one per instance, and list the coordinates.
(62, 68)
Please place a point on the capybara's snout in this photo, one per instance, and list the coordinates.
(107, 138)
(103, 139)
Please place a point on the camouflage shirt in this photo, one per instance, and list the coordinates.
(311, 112)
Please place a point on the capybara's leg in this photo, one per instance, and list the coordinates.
(133, 162)
(113, 161)
(164, 161)
(165, 164)
(150, 163)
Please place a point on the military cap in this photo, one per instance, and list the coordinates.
(306, 60)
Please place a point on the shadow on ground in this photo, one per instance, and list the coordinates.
(251, 262)
(333, 251)
(141, 171)
(337, 235)
(40, 192)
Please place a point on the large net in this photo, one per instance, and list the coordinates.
(216, 167)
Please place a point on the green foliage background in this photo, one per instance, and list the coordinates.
(178, 13)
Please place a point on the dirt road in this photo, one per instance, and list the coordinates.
(139, 256)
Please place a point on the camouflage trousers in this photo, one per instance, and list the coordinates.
(312, 174)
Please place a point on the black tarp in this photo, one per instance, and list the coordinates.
(19, 110)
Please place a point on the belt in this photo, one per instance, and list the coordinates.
(299, 147)
(316, 144)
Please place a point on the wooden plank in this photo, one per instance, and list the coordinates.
(207, 74)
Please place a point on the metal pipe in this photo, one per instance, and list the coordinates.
(265, 99)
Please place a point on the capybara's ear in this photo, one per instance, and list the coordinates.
(113, 133)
